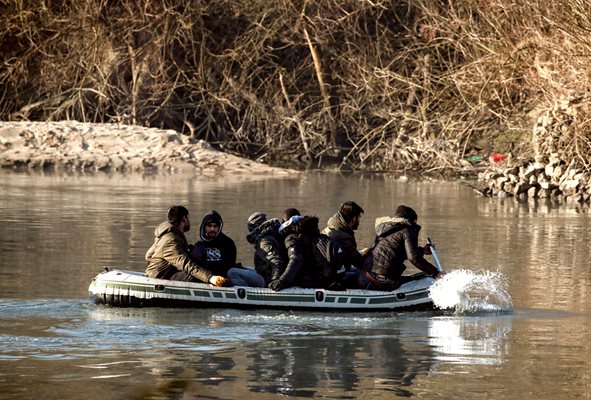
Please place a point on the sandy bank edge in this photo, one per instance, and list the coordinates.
(117, 147)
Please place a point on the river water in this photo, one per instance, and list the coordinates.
(59, 230)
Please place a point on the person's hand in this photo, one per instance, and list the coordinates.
(440, 275)
(276, 285)
(217, 280)
(427, 249)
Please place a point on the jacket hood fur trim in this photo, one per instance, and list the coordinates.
(387, 225)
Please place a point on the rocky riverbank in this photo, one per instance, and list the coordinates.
(557, 171)
(71, 145)
(541, 178)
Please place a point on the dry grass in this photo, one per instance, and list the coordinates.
(384, 85)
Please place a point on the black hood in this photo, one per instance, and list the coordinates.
(269, 227)
(211, 216)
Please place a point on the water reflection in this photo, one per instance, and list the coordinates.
(540, 245)
(471, 340)
(341, 362)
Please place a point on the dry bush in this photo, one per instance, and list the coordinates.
(406, 85)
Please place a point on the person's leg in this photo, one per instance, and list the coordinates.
(364, 283)
(351, 278)
(183, 276)
(245, 277)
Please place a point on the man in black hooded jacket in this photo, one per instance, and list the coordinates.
(217, 252)
(396, 241)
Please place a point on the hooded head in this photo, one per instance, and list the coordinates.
(267, 227)
(211, 226)
(255, 220)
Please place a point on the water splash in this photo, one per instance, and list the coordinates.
(466, 291)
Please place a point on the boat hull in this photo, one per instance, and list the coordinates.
(120, 288)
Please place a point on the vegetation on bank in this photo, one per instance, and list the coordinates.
(413, 85)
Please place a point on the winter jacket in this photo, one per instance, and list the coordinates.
(269, 251)
(300, 237)
(217, 254)
(337, 229)
(169, 254)
(397, 241)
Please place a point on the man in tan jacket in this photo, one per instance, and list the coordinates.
(168, 258)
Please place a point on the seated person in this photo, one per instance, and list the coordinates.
(341, 227)
(217, 252)
(169, 258)
(306, 266)
(396, 241)
(269, 252)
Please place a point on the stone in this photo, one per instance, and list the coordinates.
(533, 179)
(549, 170)
(529, 171)
(532, 192)
(521, 188)
(508, 187)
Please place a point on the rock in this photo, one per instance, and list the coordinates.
(528, 171)
(548, 185)
(511, 171)
(521, 188)
(533, 179)
(554, 159)
(549, 170)
(501, 181)
(532, 192)
(570, 185)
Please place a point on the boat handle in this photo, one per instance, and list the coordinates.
(319, 295)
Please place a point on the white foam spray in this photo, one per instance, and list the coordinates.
(466, 291)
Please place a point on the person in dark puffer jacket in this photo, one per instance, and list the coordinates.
(396, 241)
(269, 251)
(300, 234)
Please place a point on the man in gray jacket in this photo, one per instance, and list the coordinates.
(168, 258)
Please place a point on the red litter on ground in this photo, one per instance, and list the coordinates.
(496, 158)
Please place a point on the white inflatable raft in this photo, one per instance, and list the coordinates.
(121, 288)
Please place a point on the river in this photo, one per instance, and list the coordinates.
(60, 229)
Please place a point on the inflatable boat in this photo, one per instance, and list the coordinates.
(120, 288)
